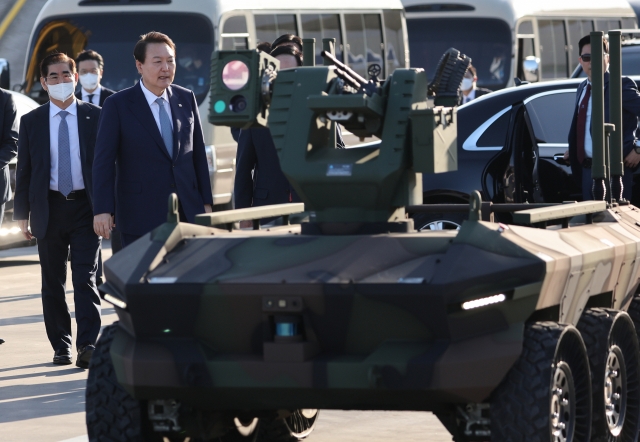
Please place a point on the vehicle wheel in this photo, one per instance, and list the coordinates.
(438, 221)
(293, 428)
(111, 413)
(546, 396)
(634, 313)
(612, 346)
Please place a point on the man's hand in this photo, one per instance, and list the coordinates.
(247, 224)
(208, 208)
(566, 156)
(102, 225)
(632, 159)
(24, 227)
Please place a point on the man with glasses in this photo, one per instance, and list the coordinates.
(53, 195)
(90, 69)
(580, 142)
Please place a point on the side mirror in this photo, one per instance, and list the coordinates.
(4, 74)
(530, 67)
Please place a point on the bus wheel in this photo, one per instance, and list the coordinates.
(546, 396)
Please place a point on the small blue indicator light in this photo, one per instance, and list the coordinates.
(286, 329)
(220, 106)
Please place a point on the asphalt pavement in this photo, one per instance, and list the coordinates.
(43, 402)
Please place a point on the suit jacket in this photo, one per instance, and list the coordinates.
(34, 162)
(630, 114)
(8, 142)
(480, 91)
(104, 94)
(268, 185)
(133, 174)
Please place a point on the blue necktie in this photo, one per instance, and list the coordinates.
(165, 127)
(65, 181)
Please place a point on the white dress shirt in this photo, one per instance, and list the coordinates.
(96, 95)
(471, 96)
(588, 141)
(155, 108)
(74, 145)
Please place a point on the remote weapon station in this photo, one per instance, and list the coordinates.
(507, 332)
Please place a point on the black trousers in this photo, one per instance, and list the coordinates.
(70, 233)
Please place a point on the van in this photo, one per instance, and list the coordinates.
(366, 31)
(530, 40)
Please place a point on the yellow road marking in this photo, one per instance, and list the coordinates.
(10, 16)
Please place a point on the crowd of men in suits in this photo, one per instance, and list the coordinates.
(96, 159)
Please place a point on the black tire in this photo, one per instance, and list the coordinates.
(293, 428)
(426, 221)
(552, 368)
(634, 313)
(612, 345)
(112, 415)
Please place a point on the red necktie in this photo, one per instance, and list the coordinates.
(582, 124)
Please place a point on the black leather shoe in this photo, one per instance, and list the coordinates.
(62, 357)
(84, 356)
(1, 341)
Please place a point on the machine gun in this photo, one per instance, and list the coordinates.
(369, 185)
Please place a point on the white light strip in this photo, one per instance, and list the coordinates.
(483, 301)
(115, 301)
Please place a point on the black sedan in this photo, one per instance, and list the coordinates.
(510, 146)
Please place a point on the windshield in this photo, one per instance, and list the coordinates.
(487, 41)
(114, 35)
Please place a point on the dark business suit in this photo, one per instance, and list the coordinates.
(62, 227)
(104, 94)
(630, 114)
(131, 152)
(8, 145)
(268, 185)
(480, 91)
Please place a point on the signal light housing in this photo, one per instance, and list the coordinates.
(238, 88)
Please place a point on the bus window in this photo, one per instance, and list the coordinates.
(235, 35)
(553, 49)
(577, 30)
(113, 35)
(606, 25)
(486, 40)
(395, 52)
(355, 43)
(271, 26)
(526, 51)
(373, 32)
(321, 26)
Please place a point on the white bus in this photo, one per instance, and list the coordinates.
(531, 40)
(366, 31)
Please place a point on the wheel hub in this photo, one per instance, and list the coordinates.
(441, 225)
(615, 390)
(562, 404)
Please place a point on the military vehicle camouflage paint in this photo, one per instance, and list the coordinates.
(354, 309)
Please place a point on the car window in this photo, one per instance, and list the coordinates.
(550, 115)
(496, 133)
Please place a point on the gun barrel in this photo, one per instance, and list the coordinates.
(347, 70)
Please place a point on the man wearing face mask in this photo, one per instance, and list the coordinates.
(90, 69)
(468, 88)
(53, 195)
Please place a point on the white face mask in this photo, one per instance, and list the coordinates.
(89, 81)
(467, 83)
(61, 91)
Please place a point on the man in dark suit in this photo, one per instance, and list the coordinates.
(8, 147)
(468, 89)
(580, 142)
(151, 134)
(90, 69)
(53, 191)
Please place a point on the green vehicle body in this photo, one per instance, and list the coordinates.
(353, 309)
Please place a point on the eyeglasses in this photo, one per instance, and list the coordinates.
(53, 79)
(587, 57)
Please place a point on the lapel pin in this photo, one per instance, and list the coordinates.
(179, 105)
(88, 117)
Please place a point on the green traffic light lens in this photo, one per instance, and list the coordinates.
(220, 106)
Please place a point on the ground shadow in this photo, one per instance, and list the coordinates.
(16, 263)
